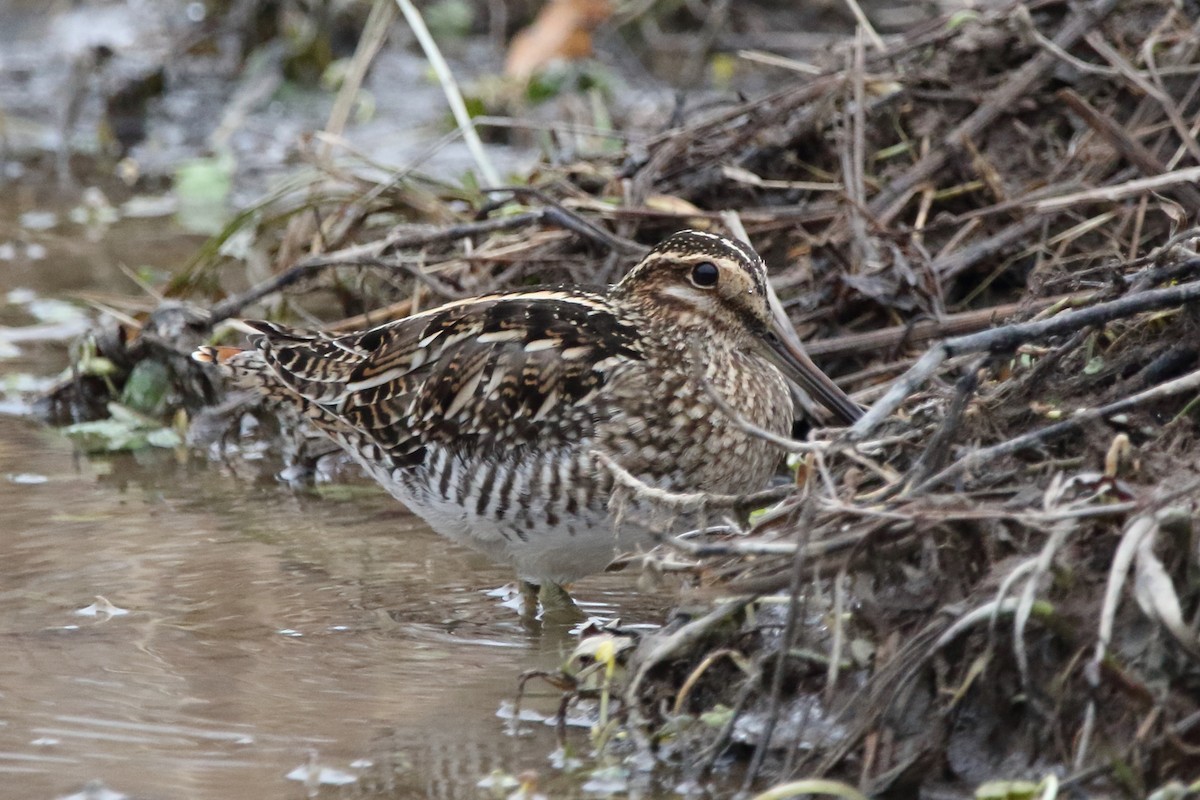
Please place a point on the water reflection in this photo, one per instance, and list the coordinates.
(266, 630)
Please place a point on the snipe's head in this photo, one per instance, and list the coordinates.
(702, 281)
(707, 285)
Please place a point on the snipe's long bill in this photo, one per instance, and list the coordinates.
(497, 418)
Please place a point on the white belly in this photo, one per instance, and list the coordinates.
(519, 519)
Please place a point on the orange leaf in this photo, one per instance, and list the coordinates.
(562, 31)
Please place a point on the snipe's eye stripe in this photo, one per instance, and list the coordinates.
(688, 244)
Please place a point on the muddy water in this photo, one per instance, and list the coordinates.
(256, 630)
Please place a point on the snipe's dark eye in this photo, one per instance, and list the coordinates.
(705, 274)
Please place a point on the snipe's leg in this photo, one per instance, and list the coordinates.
(555, 603)
(529, 599)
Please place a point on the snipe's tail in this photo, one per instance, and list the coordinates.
(242, 360)
(245, 366)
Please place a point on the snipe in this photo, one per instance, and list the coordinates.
(496, 418)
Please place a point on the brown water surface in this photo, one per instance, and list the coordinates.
(257, 629)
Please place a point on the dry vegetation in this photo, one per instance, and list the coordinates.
(996, 574)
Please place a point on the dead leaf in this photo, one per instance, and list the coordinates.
(670, 204)
(1155, 594)
(562, 31)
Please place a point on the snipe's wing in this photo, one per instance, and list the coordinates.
(499, 371)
